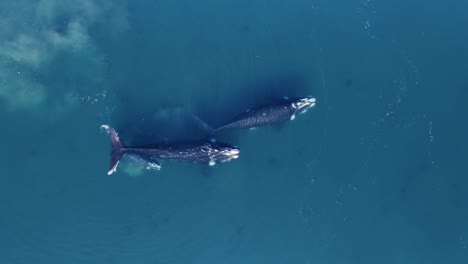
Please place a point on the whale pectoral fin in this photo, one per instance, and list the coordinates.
(212, 162)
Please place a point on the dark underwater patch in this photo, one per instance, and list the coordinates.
(61, 27)
(273, 162)
(160, 123)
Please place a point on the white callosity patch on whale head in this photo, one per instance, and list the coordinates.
(226, 155)
(232, 153)
(303, 104)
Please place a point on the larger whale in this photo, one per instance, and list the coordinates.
(269, 114)
(207, 152)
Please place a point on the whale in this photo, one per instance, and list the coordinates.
(206, 151)
(269, 114)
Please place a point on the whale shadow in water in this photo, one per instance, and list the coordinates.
(167, 122)
(160, 122)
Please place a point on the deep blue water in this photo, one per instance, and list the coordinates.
(375, 173)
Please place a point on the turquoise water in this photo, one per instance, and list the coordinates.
(375, 173)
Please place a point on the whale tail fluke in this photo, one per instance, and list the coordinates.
(117, 148)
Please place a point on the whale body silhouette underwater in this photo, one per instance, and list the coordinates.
(208, 151)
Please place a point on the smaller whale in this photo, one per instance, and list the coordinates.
(206, 152)
(278, 112)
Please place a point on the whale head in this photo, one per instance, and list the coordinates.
(221, 152)
(301, 105)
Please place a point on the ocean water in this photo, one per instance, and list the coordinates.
(375, 173)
